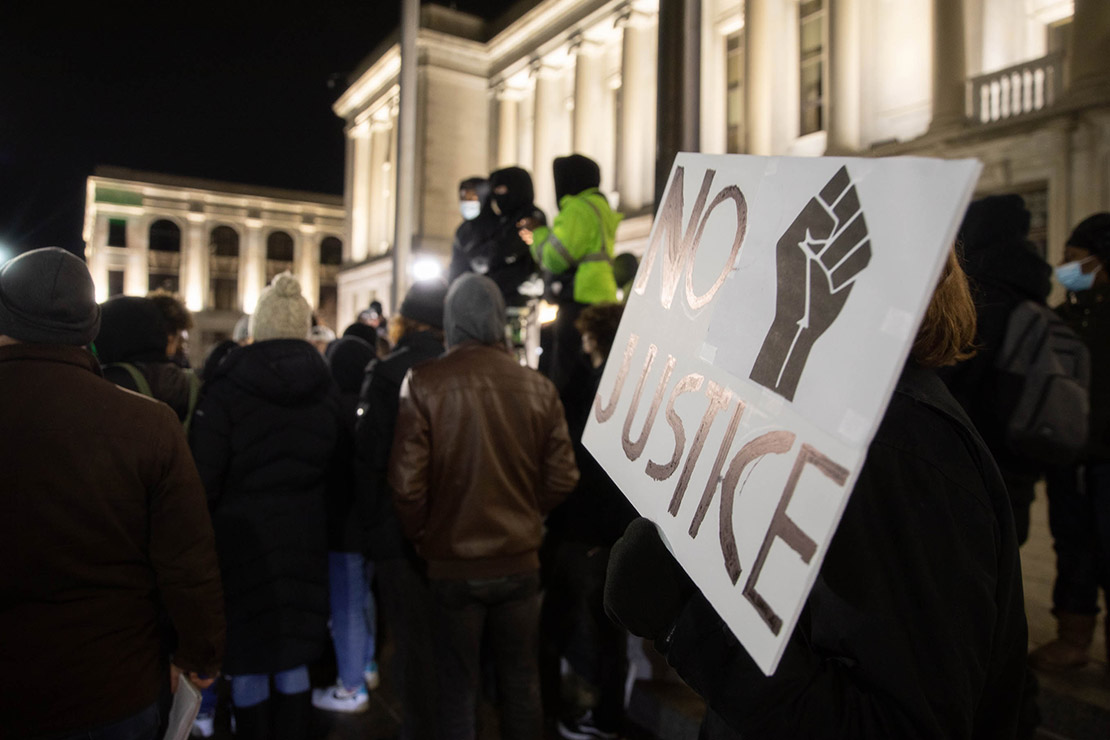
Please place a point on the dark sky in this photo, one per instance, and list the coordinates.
(233, 91)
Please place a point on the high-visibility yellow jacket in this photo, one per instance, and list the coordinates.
(581, 240)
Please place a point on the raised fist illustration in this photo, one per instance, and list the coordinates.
(817, 261)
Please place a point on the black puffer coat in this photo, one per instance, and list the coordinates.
(266, 437)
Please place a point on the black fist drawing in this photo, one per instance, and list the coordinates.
(817, 261)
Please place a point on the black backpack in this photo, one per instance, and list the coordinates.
(1042, 389)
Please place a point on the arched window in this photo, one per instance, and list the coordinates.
(165, 236)
(224, 242)
(331, 251)
(279, 247)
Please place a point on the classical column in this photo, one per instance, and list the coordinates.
(380, 185)
(547, 101)
(638, 95)
(405, 226)
(194, 280)
(97, 257)
(679, 82)
(136, 278)
(306, 261)
(508, 105)
(252, 266)
(842, 99)
(949, 66)
(1090, 43)
(759, 43)
(362, 196)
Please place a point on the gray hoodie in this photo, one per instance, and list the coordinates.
(474, 311)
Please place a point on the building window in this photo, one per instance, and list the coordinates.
(162, 281)
(115, 282)
(813, 65)
(279, 247)
(331, 251)
(117, 232)
(224, 242)
(165, 236)
(734, 76)
(225, 293)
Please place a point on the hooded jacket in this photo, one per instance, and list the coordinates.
(347, 359)
(490, 245)
(1003, 270)
(268, 438)
(481, 451)
(578, 248)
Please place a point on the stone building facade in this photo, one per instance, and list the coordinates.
(1022, 85)
(216, 244)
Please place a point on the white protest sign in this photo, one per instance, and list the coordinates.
(772, 313)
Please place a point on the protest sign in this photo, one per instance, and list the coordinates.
(770, 318)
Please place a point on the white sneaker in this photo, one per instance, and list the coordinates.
(204, 725)
(370, 675)
(339, 699)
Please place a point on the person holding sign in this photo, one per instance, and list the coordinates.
(576, 254)
(915, 627)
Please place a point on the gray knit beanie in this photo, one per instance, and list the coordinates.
(47, 297)
(282, 312)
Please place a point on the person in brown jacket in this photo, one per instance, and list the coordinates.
(480, 454)
(103, 526)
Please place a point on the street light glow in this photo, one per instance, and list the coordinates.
(426, 268)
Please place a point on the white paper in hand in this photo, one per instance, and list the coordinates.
(183, 711)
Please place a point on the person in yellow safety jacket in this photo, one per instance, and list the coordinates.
(576, 254)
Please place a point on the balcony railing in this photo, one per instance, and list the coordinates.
(1015, 91)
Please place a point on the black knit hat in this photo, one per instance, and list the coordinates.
(1093, 234)
(47, 297)
(424, 302)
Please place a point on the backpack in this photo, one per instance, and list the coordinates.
(143, 387)
(1042, 391)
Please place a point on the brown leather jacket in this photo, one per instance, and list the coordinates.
(480, 454)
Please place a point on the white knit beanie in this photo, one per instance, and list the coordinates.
(281, 312)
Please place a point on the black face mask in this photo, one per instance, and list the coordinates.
(518, 190)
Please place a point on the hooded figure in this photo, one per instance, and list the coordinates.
(480, 454)
(479, 223)
(132, 349)
(1004, 270)
(490, 245)
(576, 254)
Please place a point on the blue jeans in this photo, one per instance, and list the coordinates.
(140, 726)
(353, 614)
(254, 688)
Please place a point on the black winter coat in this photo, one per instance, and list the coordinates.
(266, 436)
(1088, 315)
(377, 412)
(596, 512)
(915, 627)
(1000, 280)
(492, 243)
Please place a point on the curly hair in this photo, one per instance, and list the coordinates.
(177, 317)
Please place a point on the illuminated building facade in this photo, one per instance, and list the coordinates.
(216, 244)
(1022, 85)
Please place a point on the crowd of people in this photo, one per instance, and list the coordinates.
(249, 519)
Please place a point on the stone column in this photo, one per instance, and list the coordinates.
(548, 100)
(842, 99)
(252, 266)
(638, 95)
(1090, 44)
(193, 284)
(949, 65)
(679, 83)
(306, 260)
(362, 196)
(508, 104)
(759, 100)
(97, 257)
(136, 278)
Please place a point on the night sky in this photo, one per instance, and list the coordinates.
(234, 91)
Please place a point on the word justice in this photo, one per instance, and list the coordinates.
(719, 399)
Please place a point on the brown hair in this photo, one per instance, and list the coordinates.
(173, 310)
(400, 325)
(947, 333)
(601, 321)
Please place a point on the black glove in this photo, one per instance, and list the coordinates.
(645, 587)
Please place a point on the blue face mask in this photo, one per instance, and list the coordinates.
(470, 209)
(1072, 277)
